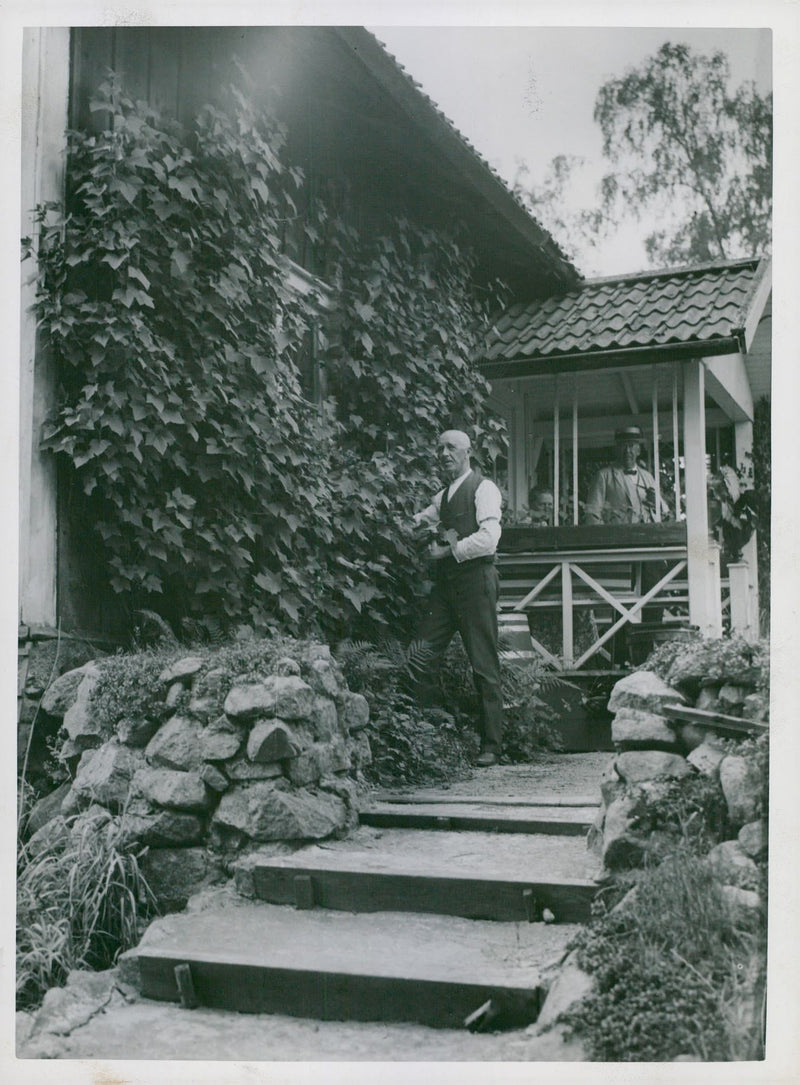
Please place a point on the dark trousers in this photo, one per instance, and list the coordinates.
(465, 601)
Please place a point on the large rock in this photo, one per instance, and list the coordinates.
(52, 836)
(213, 778)
(264, 812)
(60, 695)
(162, 828)
(324, 721)
(175, 874)
(220, 740)
(353, 711)
(569, 987)
(136, 732)
(177, 745)
(743, 904)
(362, 751)
(633, 727)
(321, 759)
(706, 758)
(272, 741)
(241, 770)
(105, 774)
(182, 670)
(732, 865)
(741, 787)
(84, 995)
(168, 787)
(46, 808)
(286, 696)
(611, 785)
(708, 698)
(731, 698)
(644, 691)
(755, 707)
(754, 839)
(285, 666)
(622, 847)
(323, 678)
(634, 766)
(207, 695)
(80, 720)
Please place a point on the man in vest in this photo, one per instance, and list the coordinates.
(464, 596)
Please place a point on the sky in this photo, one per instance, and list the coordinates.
(523, 93)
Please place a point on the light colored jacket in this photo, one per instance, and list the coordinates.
(618, 498)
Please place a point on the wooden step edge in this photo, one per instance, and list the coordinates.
(335, 995)
(436, 799)
(566, 900)
(388, 819)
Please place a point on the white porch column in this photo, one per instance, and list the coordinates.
(705, 604)
(743, 438)
(518, 480)
(45, 94)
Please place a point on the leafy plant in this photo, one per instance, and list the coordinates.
(81, 901)
(220, 491)
(691, 810)
(671, 969)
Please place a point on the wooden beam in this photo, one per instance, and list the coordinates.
(715, 721)
(755, 309)
(728, 385)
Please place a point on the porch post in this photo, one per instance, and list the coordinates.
(705, 604)
(45, 94)
(518, 483)
(743, 438)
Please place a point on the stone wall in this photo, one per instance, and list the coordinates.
(218, 766)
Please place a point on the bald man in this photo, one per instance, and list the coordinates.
(464, 596)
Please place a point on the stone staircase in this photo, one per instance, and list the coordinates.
(441, 907)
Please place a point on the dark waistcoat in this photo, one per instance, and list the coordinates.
(459, 513)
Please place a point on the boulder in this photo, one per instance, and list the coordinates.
(706, 758)
(353, 711)
(182, 670)
(136, 732)
(286, 696)
(175, 694)
(272, 741)
(754, 839)
(755, 707)
(66, 1008)
(622, 847)
(220, 740)
(104, 775)
(161, 828)
(286, 666)
(60, 695)
(741, 788)
(644, 691)
(637, 765)
(611, 785)
(242, 770)
(206, 698)
(362, 751)
(569, 987)
(708, 698)
(53, 836)
(633, 727)
(324, 720)
(743, 904)
(732, 697)
(323, 678)
(265, 812)
(80, 720)
(47, 807)
(318, 651)
(175, 874)
(691, 735)
(176, 745)
(732, 865)
(213, 778)
(321, 759)
(168, 787)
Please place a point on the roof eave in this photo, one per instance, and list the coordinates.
(511, 368)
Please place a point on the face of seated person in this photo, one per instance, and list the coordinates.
(541, 509)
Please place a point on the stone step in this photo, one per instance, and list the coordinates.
(386, 966)
(478, 875)
(482, 816)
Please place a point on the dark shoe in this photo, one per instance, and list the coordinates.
(485, 759)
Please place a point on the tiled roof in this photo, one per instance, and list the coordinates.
(650, 309)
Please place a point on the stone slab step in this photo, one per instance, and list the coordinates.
(512, 877)
(481, 816)
(389, 966)
(437, 797)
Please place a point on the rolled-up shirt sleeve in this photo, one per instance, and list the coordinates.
(483, 542)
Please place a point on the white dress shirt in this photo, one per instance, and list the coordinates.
(488, 502)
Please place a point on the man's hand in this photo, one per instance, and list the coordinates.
(441, 547)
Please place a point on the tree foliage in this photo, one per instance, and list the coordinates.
(217, 486)
(676, 133)
(684, 149)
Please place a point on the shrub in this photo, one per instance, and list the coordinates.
(81, 901)
(672, 969)
(691, 810)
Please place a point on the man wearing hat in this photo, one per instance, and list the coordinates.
(624, 493)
